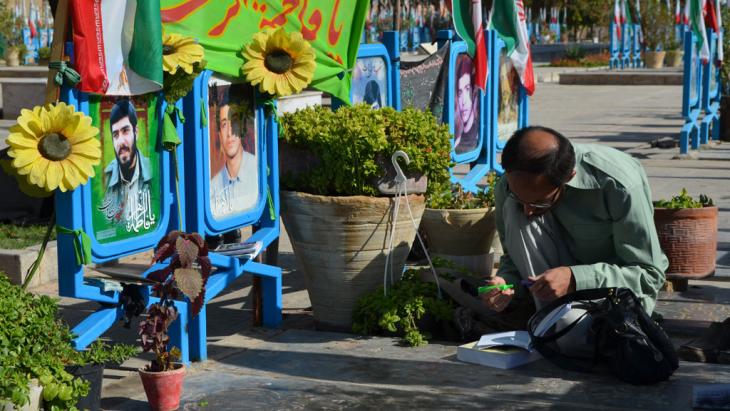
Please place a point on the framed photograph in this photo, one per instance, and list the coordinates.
(508, 99)
(126, 190)
(370, 82)
(234, 153)
(466, 106)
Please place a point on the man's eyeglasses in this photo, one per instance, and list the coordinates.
(541, 205)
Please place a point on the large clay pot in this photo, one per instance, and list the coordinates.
(673, 58)
(341, 244)
(34, 401)
(654, 59)
(463, 236)
(688, 237)
(94, 374)
(12, 57)
(163, 389)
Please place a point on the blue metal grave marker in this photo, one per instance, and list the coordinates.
(121, 214)
(614, 47)
(636, 47)
(691, 94)
(508, 108)
(710, 93)
(231, 182)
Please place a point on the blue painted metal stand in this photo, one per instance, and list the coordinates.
(614, 47)
(200, 218)
(691, 95)
(636, 61)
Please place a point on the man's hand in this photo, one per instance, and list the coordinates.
(495, 299)
(553, 283)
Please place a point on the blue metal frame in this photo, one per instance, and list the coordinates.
(626, 45)
(73, 211)
(691, 107)
(614, 47)
(228, 269)
(710, 94)
(496, 145)
(636, 48)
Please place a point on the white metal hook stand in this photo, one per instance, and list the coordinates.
(402, 190)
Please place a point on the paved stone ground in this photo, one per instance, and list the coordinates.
(297, 368)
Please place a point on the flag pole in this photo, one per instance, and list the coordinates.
(60, 26)
(396, 22)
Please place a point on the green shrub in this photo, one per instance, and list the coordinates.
(684, 200)
(406, 302)
(350, 144)
(34, 343)
(455, 198)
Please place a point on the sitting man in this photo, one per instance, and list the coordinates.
(571, 217)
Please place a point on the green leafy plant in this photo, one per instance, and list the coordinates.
(656, 24)
(100, 352)
(348, 147)
(684, 200)
(185, 275)
(406, 302)
(455, 197)
(575, 52)
(178, 85)
(34, 343)
(44, 53)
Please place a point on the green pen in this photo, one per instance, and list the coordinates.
(500, 287)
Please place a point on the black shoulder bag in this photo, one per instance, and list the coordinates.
(621, 334)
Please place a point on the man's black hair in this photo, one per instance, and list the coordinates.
(557, 165)
(123, 108)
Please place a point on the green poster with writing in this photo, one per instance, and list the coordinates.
(126, 189)
(223, 27)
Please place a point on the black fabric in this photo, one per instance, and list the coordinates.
(622, 336)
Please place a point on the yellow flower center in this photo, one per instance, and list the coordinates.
(167, 50)
(54, 147)
(278, 61)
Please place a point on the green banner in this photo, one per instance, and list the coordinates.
(223, 27)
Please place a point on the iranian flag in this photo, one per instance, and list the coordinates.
(617, 20)
(468, 24)
(697, 22)
(508, 19)
(118, 45)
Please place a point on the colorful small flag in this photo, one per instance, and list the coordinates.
(697, 21)
(677, 14)
(617, 19)
(508, 19)
(120, 45)
(468, 24)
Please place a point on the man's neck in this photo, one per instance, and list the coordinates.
(234, 164)
(128, 174)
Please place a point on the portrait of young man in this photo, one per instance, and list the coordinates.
(127, 198)
(466, 104)
(234, 183)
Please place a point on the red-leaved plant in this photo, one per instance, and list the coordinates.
(184, 276)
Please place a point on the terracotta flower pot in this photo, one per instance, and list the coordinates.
(654, 59)
(163, 389)
(463, 236)
(688, 237)
(12, 57)
(341, 244)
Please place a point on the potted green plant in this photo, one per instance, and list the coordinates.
(460, 226)
(34, 343)
(185, 275)
(687, 230)
(674, 53)
(89, 365)
(11, 29)
(402, 309)
(44, 56)
(337, 219)
(657, 29)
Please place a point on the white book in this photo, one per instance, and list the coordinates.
(243, 250)
(500, 350)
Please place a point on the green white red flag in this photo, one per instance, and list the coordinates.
(697, 12)
(118, 44)
(470, 27)
(508, 19)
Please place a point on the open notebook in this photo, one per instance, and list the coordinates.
(500, 350)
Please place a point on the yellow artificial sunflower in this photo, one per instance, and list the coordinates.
(279, 62)
(180, 52)
(54, 147)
